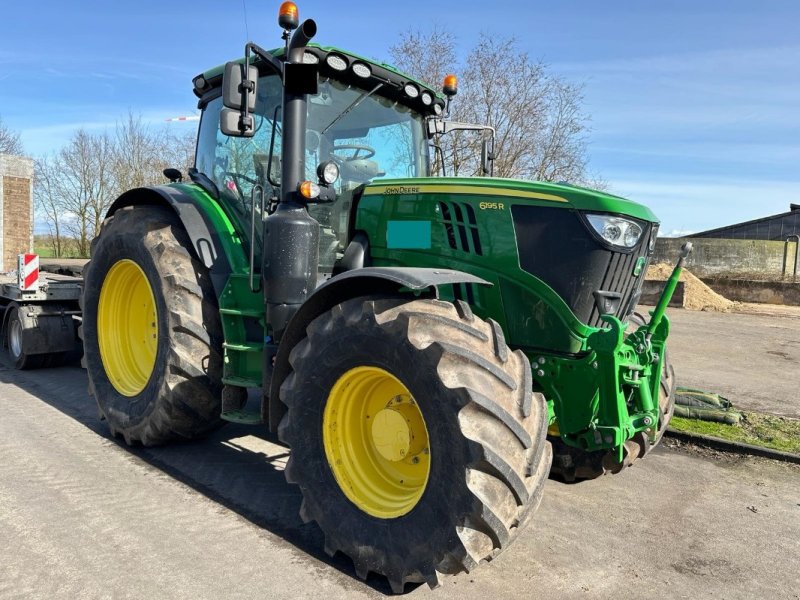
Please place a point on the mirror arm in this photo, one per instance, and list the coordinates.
(270, 60)
(442, 126)
(246, 123)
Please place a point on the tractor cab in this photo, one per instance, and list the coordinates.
(364, 121)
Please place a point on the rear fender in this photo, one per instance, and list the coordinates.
(201, 217)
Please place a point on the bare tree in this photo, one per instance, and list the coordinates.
(538, 118)
(75, 187)
(48, 201)
(9, 141)
(177, 150)
(85, 185)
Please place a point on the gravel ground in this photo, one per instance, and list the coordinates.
(83, 517)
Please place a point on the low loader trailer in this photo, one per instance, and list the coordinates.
(39, 315)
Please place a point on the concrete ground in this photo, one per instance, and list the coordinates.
(752, 358)
(83, 517)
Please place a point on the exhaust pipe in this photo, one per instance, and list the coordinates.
(291, 246)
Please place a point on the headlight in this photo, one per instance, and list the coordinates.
(310, 58)
(616, 230)
(427, 99)
(411, 90)
(328, 172)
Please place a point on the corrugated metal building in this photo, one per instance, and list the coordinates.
(16, 209)
(777, 227)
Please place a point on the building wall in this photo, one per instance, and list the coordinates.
(710, 257)
(16, 209)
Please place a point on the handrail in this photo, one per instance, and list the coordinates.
(257, 189)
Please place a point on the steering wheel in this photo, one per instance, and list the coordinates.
(356, 149)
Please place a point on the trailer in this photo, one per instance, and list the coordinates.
(40, 314)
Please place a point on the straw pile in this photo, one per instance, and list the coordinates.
(697, 295)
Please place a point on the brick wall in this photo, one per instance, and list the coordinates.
(16, 219)
(16, 209)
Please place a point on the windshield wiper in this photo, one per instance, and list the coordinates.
(354, 104)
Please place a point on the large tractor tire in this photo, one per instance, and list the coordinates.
(573, 464)
(415, 438)
(151, 330)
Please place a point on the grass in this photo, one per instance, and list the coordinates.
(47, 252)
(43, 252)
(767, 431)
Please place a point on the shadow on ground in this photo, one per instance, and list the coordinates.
(240, 472)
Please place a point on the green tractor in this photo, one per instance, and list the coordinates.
(427, 347)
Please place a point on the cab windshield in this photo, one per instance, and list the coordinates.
(367, 135)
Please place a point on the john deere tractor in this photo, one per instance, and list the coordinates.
(425, 346)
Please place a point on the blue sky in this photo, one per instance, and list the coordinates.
(694, 105)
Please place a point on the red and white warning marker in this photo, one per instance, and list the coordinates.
(27, 271)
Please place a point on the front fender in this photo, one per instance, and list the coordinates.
(351, 284)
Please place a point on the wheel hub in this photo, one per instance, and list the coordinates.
(391, 434)
(15, 339)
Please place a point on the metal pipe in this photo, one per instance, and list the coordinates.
(796, 238)
(257, 191)
(295, 108)
(669, 289)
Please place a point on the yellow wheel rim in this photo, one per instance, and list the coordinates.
(376, 442)
(127, 327)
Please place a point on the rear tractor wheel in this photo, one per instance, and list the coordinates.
(151, 329)
(573, 464)
(415, 438)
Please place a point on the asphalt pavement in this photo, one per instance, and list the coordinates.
(751, 358)
(83, 516)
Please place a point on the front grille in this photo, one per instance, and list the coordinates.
(619, 278)
(556, 246)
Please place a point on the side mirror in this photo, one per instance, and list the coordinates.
(233, 119)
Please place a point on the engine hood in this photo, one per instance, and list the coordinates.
(516, 190)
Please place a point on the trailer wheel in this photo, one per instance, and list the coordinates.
(415, 438)
(573, 464)
(16, 346)
(151, 329)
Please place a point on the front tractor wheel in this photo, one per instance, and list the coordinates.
(151, 330)
(415, 438)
